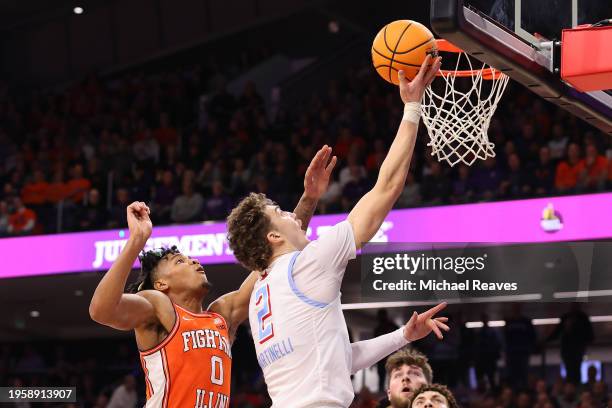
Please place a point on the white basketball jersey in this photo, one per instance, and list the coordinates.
(302, 344)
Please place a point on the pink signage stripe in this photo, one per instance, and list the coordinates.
(584, 217)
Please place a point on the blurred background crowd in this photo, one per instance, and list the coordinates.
(179, 141)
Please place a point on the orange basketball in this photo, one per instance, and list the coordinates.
(401, 45)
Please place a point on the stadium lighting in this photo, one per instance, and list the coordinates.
(34, 313)
(78, 10)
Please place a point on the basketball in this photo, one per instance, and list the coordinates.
(401, 45)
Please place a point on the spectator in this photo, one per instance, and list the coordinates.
(432, 396)
(384, 326)
(515, 183)
(411, 195)
(187, 206)
(4, 218)
(91, 215)
(435, 186)
(487, 351)
(595, 169)
(240, 178)
(101, 401)
(78, 185)
(600, 393)
(375, 159)
(116, 216)
(58, 189)
(487, 179)
(141, 185)
(355, 188)
(558, 143)
(567, 399)
(569, 171)
(462, 189)
(519, 336)
(165, 134)
(544, 173)
(576, 333)
(125, 395)
(35, 193)
(353, 171)
(407, 370)
(163, 197)
(218, 206)
(146, 149)
(22, 221)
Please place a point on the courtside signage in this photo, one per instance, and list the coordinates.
(585, 217)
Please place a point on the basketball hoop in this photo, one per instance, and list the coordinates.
(457, 120)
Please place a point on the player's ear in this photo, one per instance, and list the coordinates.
(160, 285)
(274, 237)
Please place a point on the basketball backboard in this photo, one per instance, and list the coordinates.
(521, 39)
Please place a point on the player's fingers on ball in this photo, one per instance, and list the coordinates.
(433, 70)
(401, 76)
(423, 68)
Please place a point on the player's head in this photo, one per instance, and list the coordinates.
(407, 370)
(257, 229)
(169, 271)
(432, 396)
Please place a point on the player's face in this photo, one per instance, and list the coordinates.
(288, 226)
(182, 273)
(430, 399)
(403, 382)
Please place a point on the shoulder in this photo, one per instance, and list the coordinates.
(158, 299)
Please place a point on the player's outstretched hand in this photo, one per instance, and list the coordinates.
(318, 172)
(420, 325)
(412, 91)
(139, 222)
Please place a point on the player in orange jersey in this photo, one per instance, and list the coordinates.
(185, 350)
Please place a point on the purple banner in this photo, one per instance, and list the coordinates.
(571, 218)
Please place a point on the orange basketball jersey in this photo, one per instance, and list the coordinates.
(192, 366)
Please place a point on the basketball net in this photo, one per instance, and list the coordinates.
(457, 120)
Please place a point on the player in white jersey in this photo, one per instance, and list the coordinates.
(295, 314)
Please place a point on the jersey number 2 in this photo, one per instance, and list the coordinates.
(264, 314)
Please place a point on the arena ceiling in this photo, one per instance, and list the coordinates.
(14, 13)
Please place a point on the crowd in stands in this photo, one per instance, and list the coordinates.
(72, 160)
(117, 380)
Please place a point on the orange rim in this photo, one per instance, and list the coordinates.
(487, 73)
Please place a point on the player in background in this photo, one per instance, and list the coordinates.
(295, 313)
(185, 350)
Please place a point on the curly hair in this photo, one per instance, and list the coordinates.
(148, 263)
(439, 388)
(408, 356)
(247, 227)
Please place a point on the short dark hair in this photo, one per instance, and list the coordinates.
(452, 403)
(409, 356)
(247, 227)
(149, 260)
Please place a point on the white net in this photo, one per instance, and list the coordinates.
(457, 120)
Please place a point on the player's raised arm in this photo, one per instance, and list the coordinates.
(110, 305)
(234, 306)
(368, 352)
(369, 213)
(316, 180)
